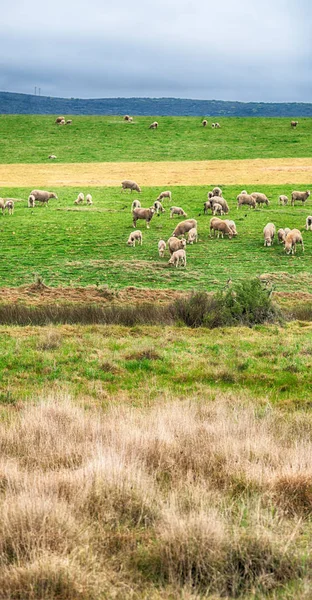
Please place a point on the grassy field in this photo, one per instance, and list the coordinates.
(69, 245)
(30, 139)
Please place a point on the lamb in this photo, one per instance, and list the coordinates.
(247, 200)
(130, 120)
(127, 184)
(162, 247)
(62, 122)
(43, 196)
(9, 205)
(217, 125)
(292, 238)
(165, 194)
(177, 210)
(269, 233)
(216, 200)
(281, 236)
(283, 200)
(217, 209)
(31, 201)
(135, 204)
(204, 123)
(135, 236)
(175, 244)
(158, 207)
(143, 213)
(302, 196)
(213, 125)
(126, 118)
(153, 125)
(89, 199)
(58, 120)
(80, 198)
(232, 225)
(309, 223)
(221, 227)
(294, 123)
(217, 191)
(192, 235)
(177, 257)
(69, 122)
(184, 226)
(260, 198)
(52, 157)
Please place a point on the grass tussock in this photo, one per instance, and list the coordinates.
(186, 496)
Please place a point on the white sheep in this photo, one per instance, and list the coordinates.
(177, 210)
(161, 248)
(192, 235)
(69, 122)
(52, 157)
(281, 236)
(89, 199)
(80, 198)
(213, 125)
(269, 232)
(135, 236)
(302, 196)
(292, 238)
(31, 201)
(135, 204)
(166, 194)
(283, 200)
(158, 207)
(179, 256)
(216, 191)
(9, 206)
(217, 209)
(309, 223)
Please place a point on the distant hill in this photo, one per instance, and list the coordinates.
(27, 104)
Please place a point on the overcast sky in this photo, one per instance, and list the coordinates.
(248, 50)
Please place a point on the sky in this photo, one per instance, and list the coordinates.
(245, 50)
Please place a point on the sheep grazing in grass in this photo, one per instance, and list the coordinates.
(204, 123)
(63, 122)
(80, 198)
(246, 200)
(153, 125)
(43, 196)
(178, 257)
(192, 236)
(135, 236)
(52, 157)
(221, 227)
(89, 200)
(309, 223)
(299, 196)
(269, 233)
(175, 244)
(166, 194)
(128, 184)
(184, 226)
(292, 238)
(59, 120)
(294, 124)
(232, 226)
(217, 125)
(143, 213)
(213, 125)
(158, 207)
(260, 198)
(217, 191)
(217, 209)
(281, 236)
(135, 204)
(216, 200)
(126, 118)
(283, 200)
(31, 201)
(69, 122)
(161, 248)
(9, 206)
(177, 210)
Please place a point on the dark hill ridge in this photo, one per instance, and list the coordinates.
(27, 104)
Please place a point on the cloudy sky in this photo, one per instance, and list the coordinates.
(248, 50)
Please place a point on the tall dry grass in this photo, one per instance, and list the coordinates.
(184, 499)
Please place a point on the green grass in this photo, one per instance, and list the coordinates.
(142, 364)
(30, 139)
(87, 246)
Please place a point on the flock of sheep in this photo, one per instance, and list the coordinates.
(218, 206)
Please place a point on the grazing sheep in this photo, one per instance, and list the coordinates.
(217, 125)
(283, 200)
(143, 213)
(175, 244)
(281, 236)
(62, 122)
(269, 233)
(69, 122)
(232, 225)
(177, 210)
(204, 123)
(126, 118)
(158, 207)
(217, 191)
(80, 198)
(292, 238)
(192, 236)
(31, 201)
(178, 257)
(165, 194)
(309, 223)
(216, 200)
(58, 120)
(246, 200)
(52, 157)
(213, 125)
(260, 198)
(135, 204)
(43, 196)
(184, 226)
(135, 236)
(162, 247)
(127, 184)
(217, 209)
(221, 227)
(302, 196)
(9, 205)
(294, 123)
(89, 199)
(153, 125)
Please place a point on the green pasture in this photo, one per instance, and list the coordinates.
(30, 139)
(70, 245)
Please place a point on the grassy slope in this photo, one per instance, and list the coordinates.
(30, 139)
(88, 246)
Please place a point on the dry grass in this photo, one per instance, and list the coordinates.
(181, 500)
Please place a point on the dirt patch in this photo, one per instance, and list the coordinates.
(226, 172)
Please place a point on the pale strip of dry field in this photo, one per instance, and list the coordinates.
(228, 172)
